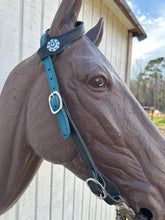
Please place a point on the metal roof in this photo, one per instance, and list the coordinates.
(137, 29)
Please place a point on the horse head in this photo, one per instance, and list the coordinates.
(123, 142)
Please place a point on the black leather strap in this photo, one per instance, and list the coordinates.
(113, 195)
(63, 39)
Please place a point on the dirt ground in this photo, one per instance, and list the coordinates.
(162, 130)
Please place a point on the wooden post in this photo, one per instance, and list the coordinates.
(128, 60)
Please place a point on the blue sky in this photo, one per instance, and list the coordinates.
(151, 15)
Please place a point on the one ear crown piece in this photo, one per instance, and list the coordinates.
(66, 18)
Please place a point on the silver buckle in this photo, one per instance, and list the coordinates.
(101, 186)
(60, 101)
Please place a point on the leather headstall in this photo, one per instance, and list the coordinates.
(102, 187)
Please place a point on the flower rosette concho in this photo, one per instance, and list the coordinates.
(53, 45)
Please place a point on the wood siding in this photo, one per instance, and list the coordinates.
(55, 193)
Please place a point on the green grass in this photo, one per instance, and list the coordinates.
(160, 121)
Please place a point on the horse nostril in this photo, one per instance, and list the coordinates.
(146, 213)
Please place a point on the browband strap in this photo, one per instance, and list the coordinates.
(56, 44)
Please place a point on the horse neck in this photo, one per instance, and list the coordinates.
(18, 162)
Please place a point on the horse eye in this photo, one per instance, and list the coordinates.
(98, 82)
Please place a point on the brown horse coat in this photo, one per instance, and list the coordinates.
(124, 143)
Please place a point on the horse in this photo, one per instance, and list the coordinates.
(124, 143)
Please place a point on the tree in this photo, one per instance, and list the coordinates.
(137, 67)
(149, 84)
(154, 67)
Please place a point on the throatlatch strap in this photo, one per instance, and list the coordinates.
(99, 184)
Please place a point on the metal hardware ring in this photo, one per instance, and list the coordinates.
(100, 185)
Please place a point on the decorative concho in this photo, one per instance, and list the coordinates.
(53, 45)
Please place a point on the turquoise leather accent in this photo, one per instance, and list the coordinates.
(54, 98)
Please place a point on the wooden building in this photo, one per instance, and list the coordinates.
(55, 193)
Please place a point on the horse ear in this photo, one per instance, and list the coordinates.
(65, 17)
(96, 33)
